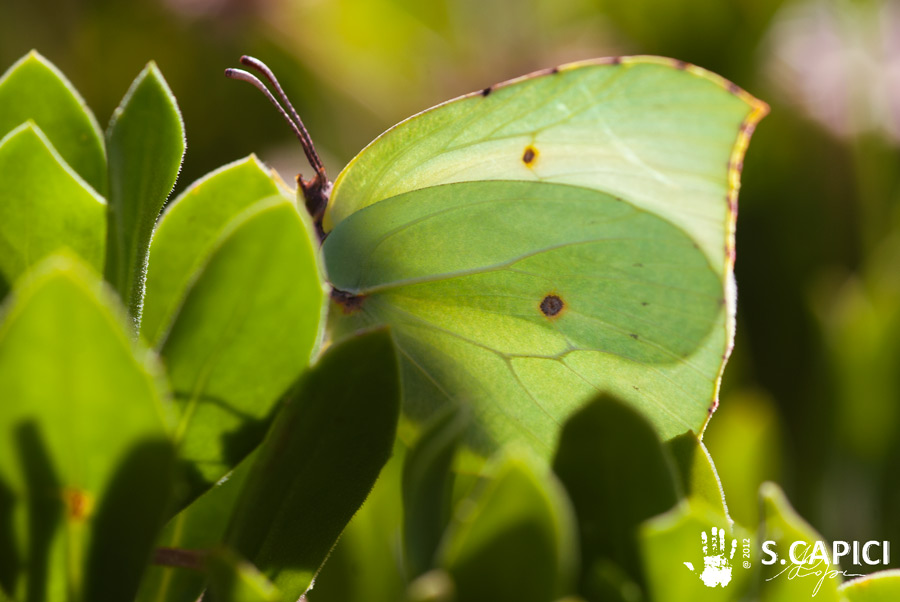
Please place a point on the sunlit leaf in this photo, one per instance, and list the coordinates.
(188, 232)
(44, 205)
(785, 581)
(33, 89)
(145, 144)
(752, 420)
(693, 553)
(85, 458)
(696, 471)
(883, 586)
(245, 331)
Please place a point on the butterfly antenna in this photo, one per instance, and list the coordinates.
(316, 190)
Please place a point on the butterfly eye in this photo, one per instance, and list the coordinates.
(552, 305)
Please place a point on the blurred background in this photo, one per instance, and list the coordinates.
(811, 397)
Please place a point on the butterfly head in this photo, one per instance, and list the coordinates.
(317, 189)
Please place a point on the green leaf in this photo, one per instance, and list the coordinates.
(145, 144)
(782, 525)
(245, 331)
(513, 539)
(860, 320)
(751, 418)
(883, 586)
(365, 564)
(676, 547)
(433, 586)
(232, 579)
(617, 474)
(319, 461)
(200, 526)
(33, 89)
(605, 580)
(696, 471)
(428, 488)
(188, 231)
(45, 205)
(85, 459)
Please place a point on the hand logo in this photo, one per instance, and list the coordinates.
(716, 567)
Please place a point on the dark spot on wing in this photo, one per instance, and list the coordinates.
(529, 156)
(644, 303)
(486, 91)
(552, 305)
(734, 88)
(638, 265)
(633, 336)
(681, 64)
(615, 60)
(554, 71)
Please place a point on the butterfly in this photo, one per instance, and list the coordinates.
(545, 239)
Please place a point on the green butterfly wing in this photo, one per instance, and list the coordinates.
(546, 239)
